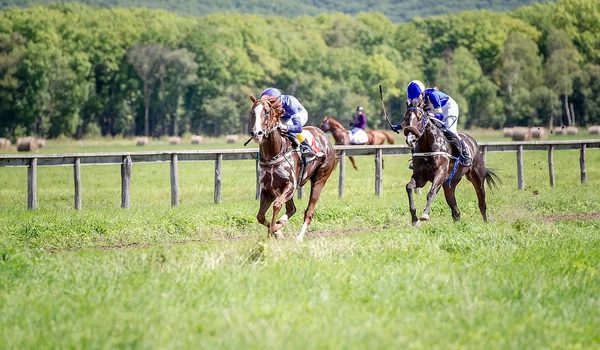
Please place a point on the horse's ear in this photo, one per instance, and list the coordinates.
(407, 103)
(252, 98)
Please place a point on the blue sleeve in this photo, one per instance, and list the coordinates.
(297, 127)
(435, 100)
(292, 107)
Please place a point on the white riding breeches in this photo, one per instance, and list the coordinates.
(303, 115)
(358, 136)
(450, 111)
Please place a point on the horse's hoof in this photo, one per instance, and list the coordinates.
(278, 234)
(424, 217)
(416, 223)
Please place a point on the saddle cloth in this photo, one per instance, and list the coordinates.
(312, 142)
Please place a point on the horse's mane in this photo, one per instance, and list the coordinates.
(276, 105)
(336, 123)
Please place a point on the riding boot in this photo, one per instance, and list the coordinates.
(306, 150)
(465, 154)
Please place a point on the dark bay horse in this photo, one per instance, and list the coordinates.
(340, 135)
(279, 166)
(434, 161)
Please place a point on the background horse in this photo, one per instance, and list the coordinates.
(279, 166)
(433, 161)
(341, 137)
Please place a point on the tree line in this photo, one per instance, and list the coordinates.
(397, 11)
(74, 70)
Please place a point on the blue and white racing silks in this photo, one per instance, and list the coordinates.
(292, 110)
(439, 100)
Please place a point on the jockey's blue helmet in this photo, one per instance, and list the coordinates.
(415, 88)
(273, 92)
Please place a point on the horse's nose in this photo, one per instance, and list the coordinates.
(252, 133)
(259, 133)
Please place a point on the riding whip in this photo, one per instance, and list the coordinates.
(384, 112)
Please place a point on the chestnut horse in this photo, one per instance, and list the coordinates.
(340, 135)
(434, 161)
(280, 166)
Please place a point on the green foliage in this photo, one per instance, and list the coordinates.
(69, 69)
(399, 11)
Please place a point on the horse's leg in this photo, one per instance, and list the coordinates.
(353, 163)
(435, 187)
(265, 202)
(315, 192)
(410, 186)
(451, 200)
(477, 178)
(290, 210)
(274, 230)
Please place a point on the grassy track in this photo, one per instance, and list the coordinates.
(202, 275)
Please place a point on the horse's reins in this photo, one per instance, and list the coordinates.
(422, 131)
(436, 153)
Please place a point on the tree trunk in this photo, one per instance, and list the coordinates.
(572, 121)
(146, 109)
(551, 119)
(566, 117)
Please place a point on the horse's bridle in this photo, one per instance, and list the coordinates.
(284, 150)
(424, 117)
(269, 131)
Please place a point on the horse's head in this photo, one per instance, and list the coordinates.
(325, 124)
(264, 116)
(415, 121)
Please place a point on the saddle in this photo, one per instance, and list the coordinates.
(450, 137)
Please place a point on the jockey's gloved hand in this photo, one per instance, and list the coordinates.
(396, 127)
(282, 127)
(351, 124)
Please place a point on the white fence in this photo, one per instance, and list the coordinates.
(126, 159)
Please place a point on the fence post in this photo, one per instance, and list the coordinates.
(582, 157)
(218, 178)
(342, 175)
(77, 182)
(378, 171)
(32, 184)
(484, 154)
(126, 182)
(174, 180)
(257, 195)
(551, 164)
(520, 180)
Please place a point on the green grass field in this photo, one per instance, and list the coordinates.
(204, 276)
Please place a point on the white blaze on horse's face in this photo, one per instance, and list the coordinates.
(411, 138)
(257, 130)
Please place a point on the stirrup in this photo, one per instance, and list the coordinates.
(466, 161)
(306, 150)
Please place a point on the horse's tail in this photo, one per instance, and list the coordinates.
(389, 137)
(492, 178)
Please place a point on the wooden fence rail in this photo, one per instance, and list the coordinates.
(126, 160)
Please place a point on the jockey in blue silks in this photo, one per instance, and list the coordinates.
(293, 118)
(445, 109)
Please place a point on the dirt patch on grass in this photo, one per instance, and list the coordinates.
(287, 236)
(571, 217)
